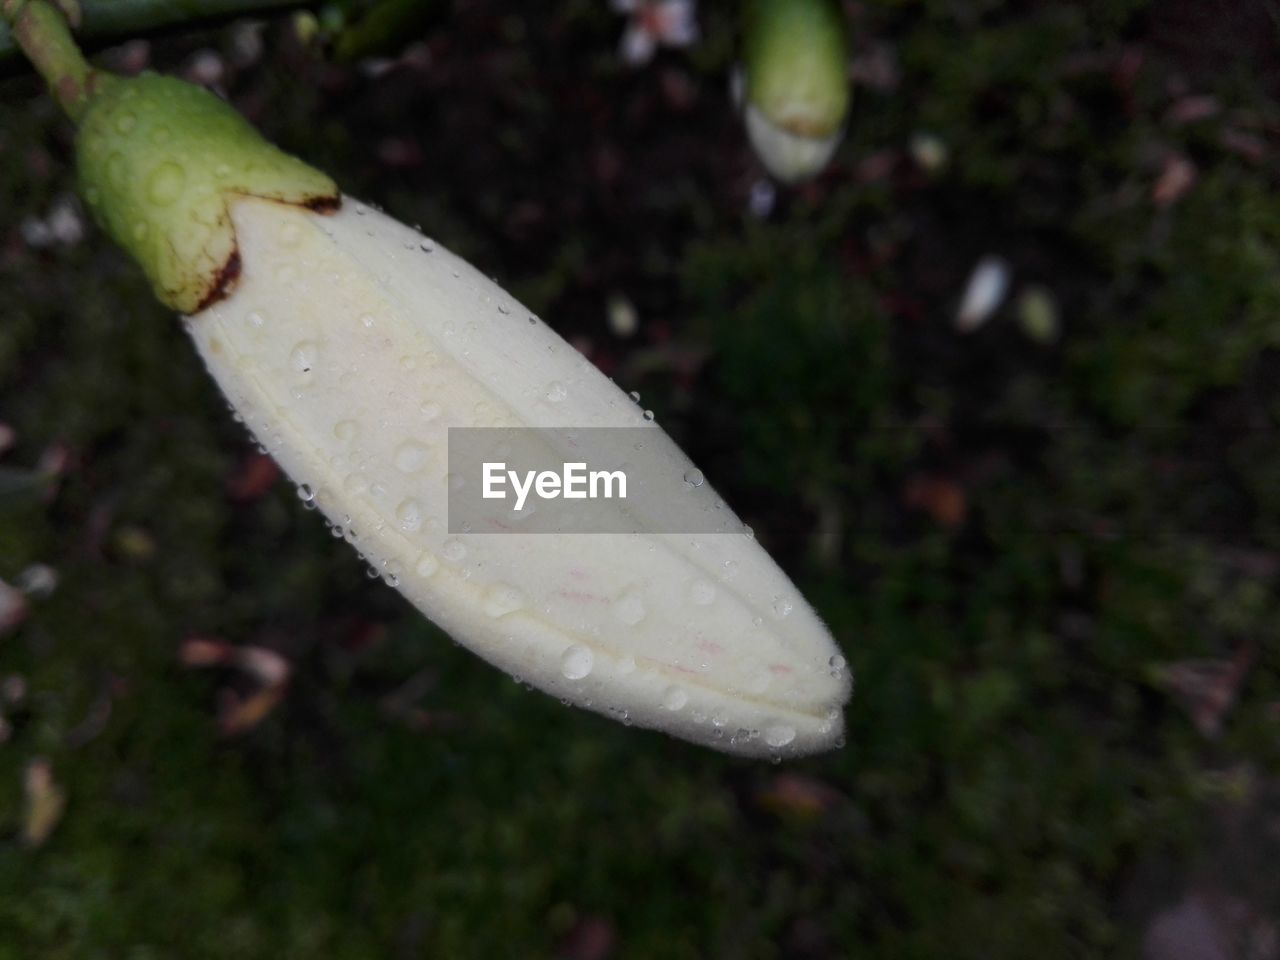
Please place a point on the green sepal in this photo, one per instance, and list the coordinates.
(158, 160)
(795, 54)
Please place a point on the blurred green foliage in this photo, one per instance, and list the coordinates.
(1009, 538)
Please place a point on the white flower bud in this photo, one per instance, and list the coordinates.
(350, 345)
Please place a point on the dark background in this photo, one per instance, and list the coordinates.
(1050, 560)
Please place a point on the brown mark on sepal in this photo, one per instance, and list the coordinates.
(224, 283)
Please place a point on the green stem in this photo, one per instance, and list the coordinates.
(110, 19)
(42, 32)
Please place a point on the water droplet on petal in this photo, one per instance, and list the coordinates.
(411, 457)
(345, 430)
(556, 391)
(255, 319)
(648, 415)
(427, 245)
(306, 494)
(501, 599)
(694, 477)
(409, 515)
(304, 355)
(674, 699)
(629, 608)
(576, 662)
(429, 410)
(454, 550)
(779, 735)
(393, 571)
(427, 565)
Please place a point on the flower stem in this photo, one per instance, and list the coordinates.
(41, 30)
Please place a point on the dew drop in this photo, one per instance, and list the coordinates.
(502, 599)
(411, 456)
(165, 183)
(393, 571)
(694, 477)
(409, 515)
(454, 550)
(556, 391)
(837, 664)
(255, 319)
(629, 608)
(504, 309)
(635, 396)
(782, 606)
(427, 565)
(648, 415)
(427, 245)
(303, 357)
(345, 430)
(576, 662)
(674, 699)
(429, 410)
(779, 734)
(366, 321)
(306, 494)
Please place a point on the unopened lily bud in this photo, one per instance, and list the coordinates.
(796, 91)
(351, 345)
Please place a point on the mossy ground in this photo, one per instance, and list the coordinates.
(1010, 538)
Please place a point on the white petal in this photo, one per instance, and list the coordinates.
(678, 24)
(988, 284)
(638, 45)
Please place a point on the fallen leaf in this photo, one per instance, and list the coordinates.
(942, 499)
(797, 796)
(253, 477)
(1176, 179)
(1206, 689)
(45, 803)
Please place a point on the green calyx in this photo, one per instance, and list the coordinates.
(159, 161)
(796, 57)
